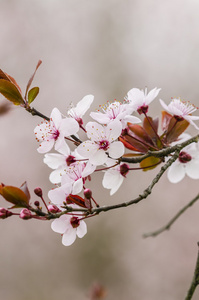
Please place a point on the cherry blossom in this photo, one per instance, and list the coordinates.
(115, 110)
(113, 177)
(61, 161)
(140, 100)
(186, 164)
(59, 195)
(181, 109)
(76, 174)
(102, 142)
(53, 132)
(69, 226)
(81, 108)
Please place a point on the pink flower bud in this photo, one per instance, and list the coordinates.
(53, 209)
(38, 192)
(87, 193)
(25, 214)
(4, 213)
(36, 203)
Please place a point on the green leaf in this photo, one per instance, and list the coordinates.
(14, 195)
(149, 163)
(32, 94)
(11, 92)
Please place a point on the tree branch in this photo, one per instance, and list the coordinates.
(170, 223)
(195, 280)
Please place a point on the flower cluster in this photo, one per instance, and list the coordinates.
(114, 131)
(118, 136)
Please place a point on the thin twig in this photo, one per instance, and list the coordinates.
(170, 223)
(195, 280)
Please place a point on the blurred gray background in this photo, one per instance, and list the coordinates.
(103, 48)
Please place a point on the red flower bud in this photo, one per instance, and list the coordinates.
(38, 192)
(53, 209)
(4, 213)
(25, 214)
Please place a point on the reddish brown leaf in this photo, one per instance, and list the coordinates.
(11, 92)
(166, 117)
(151, 127)
(77, 200)
(175, 129)
(15, 195)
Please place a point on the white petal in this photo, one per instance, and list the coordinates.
(59, 225)
(54, 160)
(77, 186)
(192, 169)
(176, 172)
(95, 131)
(83, 105)
(81, 229)
(152, 95)
(69, 236)
(56, 117)
(89, 169)
(100, 117)
(56, 176)
(116, 149)
(45, 146)
(87, 149)
(164, 105)
(99, 158)
(113, 130)
(69, 126)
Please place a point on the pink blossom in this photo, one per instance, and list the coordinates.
(53, 132)
(102, 142)
(69, 226)
(81, 108)
(140, 100)
(181, 109)
(115, 110)
(186, 164)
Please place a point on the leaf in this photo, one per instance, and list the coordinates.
(32, 77)
(76, 199)
(166, 117)
(15, 195)
(32, 94)
(150, 126)
(140, 133)
(132, 144)
(149, 163)
(11, 92)
(175, 129)
(7, 77)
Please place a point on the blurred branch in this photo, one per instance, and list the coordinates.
(168, 225)
(195, 280)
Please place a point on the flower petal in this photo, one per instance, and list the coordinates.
(176, 172)
(69, 236)
(116, 149)
(81, 229)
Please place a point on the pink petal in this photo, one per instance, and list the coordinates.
(113, 130)
(54, 160)
(192, 169)
(56, 117)
(83, 105)
(59, 225)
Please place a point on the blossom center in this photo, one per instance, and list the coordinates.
(70, 160)
(184, 157)
(143, 109)
(104, 144)
(124, 169)
(74, 222)
(56, 134)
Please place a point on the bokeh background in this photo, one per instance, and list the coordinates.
(103, 48)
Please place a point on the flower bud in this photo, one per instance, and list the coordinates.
(87, 193)
(36, 203)
(53, 209)
(25, 214)
(4, 213)
(38, 192)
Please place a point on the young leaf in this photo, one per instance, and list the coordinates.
(175, 129)
(15, 195)
(32, 77)
(149, 163)
(76, 199)
(11, 92)
(32, 94)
